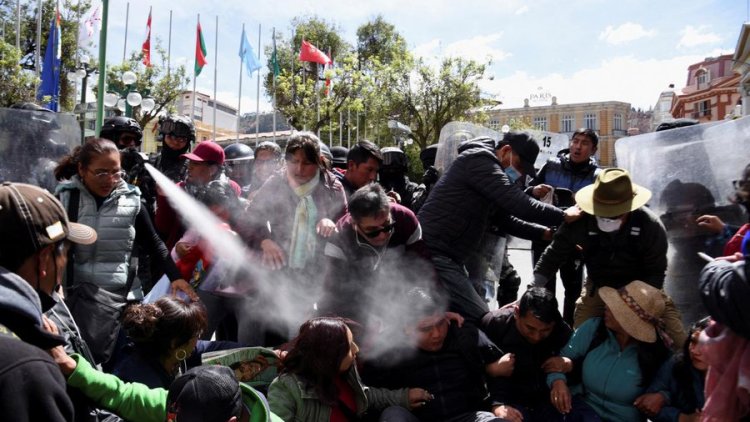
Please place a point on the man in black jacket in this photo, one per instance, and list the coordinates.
(452, 363)
(34, 236)
(531, 333)
(455, 216)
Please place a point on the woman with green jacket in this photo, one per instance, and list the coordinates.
(320, 383)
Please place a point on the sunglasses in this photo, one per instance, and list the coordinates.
(385, 229)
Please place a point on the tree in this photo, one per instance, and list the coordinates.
(428, 98)
(16, 84)
(152, 81)
(379, 40)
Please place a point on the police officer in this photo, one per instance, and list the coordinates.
(177, 134)
(238, 162)
(393, 175)
(125, 132)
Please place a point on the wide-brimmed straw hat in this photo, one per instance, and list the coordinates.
(612, 194)
(638, 308)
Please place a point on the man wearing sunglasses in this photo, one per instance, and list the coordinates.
(375, 237)
(125, 132)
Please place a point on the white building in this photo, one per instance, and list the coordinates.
(226, 115)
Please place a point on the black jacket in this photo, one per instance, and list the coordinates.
(726, 294)
(32, 387)
(455, 216)
(455, 374)
(527, 386)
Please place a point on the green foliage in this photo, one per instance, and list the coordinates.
(380, 81)
(152, 81)
(16, 84)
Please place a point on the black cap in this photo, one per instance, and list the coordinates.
(525, 147)
(205, 394)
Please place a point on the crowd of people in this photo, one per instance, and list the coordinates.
(373, 291)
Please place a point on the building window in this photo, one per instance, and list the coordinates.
(618, 121)
(589, 121)
(540, 122)
(704, 108)
(701, 77)
(568, 123)
(494, 124)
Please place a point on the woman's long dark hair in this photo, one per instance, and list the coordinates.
(683, 367)
(158, 327)
(83, 155)
(316, 354)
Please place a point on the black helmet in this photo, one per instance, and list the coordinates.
(339, 155)
(113, 127)
(427, 156)
(238, 152)
(394, 158)
(176, 125)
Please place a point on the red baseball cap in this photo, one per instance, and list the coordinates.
(206, 151)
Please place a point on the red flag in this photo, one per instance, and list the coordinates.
(309, 53)
(146, 48)
(200, 51)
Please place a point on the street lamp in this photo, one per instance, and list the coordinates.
(82, 74)
(128, 98)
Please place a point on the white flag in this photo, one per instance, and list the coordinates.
(91, 25)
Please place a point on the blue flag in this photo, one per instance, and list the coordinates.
(50, 85)
(248, 55)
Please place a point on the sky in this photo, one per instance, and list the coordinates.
(576, 50)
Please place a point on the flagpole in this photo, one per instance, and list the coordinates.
(357, 127)
(125, 43)
(341, 128)
(216, 72)
(195, 76)
(18, 24)
(273, 81)
(257, 96)
(38, 44)
(317, 98)
(348, 127)
(169, 44)
(102, 67)
(239, 101)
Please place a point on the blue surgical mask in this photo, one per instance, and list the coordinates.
(511, 171)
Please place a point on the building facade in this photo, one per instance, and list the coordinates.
(609, 119)
(742, 67)
(226, 115)
(710, 93)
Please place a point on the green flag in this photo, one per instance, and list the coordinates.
(200, 51)
(275, 57)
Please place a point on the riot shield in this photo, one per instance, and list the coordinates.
(31, 143)
(689, 170)
(451, 135)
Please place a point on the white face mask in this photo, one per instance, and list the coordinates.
(609, 225)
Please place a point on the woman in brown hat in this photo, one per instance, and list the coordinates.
(614, 357)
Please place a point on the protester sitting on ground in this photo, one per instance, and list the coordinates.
(531, 333)
(432, 353)
(376, 238)
(95, 194)
(202, 394)
(163, 335)
(620, 239)
(726, 341)
(319, 381)
(615, 358)
(676, 394)
(34, 236)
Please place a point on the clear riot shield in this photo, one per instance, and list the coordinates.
(549, 145)
(690, 171)
(31, 143)
(451, 135)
